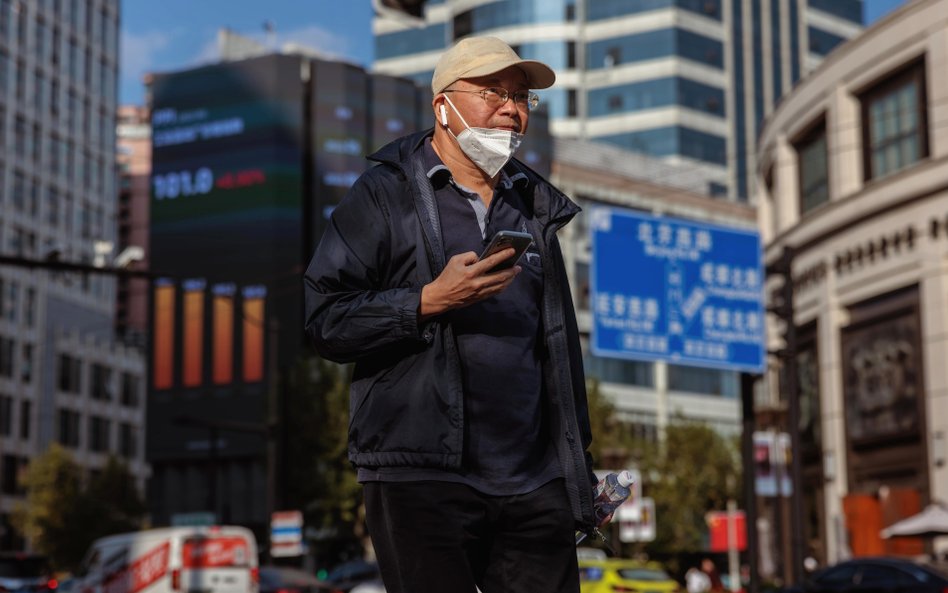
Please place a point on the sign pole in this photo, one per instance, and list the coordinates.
(733, 556)
(748, 381)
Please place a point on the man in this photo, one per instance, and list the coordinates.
(468, 417)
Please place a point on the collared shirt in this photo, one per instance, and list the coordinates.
(507, 449)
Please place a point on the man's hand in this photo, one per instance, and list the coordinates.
(464, 281)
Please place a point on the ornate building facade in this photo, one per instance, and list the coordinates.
(853, 184)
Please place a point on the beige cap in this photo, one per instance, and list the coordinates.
(479, 56)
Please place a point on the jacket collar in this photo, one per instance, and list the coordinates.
(550, 204)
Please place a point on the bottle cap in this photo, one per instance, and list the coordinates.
(624, 478)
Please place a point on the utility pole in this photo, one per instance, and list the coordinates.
(783, 308)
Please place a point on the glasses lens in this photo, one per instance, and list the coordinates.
(533, 100)
(495, 97)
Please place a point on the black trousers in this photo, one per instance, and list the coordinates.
(441, 537)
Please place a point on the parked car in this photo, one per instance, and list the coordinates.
(285, 579)
(347, 575)
(876, 575)
(22, 572)
(613, 575)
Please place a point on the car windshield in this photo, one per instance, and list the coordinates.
(643, 574)
(26, 567)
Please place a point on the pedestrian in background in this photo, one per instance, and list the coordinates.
(714, 577)
(469, 422)
(696, 581)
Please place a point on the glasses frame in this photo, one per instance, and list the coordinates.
(530, 99)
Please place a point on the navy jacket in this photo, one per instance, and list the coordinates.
(362, 294)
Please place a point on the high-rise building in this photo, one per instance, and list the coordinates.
(685, 80)
(63, 376)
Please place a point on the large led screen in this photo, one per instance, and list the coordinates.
(340, 95)
(227, 239)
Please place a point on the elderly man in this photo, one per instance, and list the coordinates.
(469, 422)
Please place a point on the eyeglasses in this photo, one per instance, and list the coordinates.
(496, 97)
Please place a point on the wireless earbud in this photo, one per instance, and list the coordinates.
(444, 116)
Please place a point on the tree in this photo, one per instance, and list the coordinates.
(61, 516)
(613, 442)
(53, 483)
(693, 471)
(319, 478)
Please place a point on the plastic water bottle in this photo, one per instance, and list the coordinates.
(608, 494)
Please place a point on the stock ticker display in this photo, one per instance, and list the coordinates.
(249, 159)
(226, 201)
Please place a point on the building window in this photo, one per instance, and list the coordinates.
(26, 416)
(101, 382)
(9, 299)
(701, 380)
(614, 370)
(613, 57)
(813, 168)
(463, 24)
(9, 482)
(895, 124)
(69, 428)
(6, 356)
(128, 441)
(70, 374)
(99, 434)
(571, 108)
(130, 386)
(26, 365)
(6, 415)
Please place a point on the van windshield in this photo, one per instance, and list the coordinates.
(207, 552)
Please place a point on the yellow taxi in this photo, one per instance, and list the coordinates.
(621, 575)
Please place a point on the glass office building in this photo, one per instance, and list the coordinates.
(64, 377)
(684, 80)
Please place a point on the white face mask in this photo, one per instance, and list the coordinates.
(489, 149)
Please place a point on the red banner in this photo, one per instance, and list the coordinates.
(718, 530)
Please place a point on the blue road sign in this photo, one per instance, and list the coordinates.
(675, 290)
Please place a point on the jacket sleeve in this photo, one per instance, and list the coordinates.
(578, 375)
(350, 310)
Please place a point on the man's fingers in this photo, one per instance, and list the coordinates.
(494, 259)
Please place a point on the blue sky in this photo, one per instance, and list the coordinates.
(163, 35)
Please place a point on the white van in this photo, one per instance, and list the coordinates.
(214, 559)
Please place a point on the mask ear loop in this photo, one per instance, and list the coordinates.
(461, 117)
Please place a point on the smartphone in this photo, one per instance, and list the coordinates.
(502, 240)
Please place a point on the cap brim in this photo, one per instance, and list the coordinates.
(539, 75)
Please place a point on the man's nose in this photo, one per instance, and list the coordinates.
(509, 108)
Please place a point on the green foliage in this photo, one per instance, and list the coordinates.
(62, 516)
(320, 479)
(695, 470)
(613, 443)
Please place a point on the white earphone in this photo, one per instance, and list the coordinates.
(444, 116)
